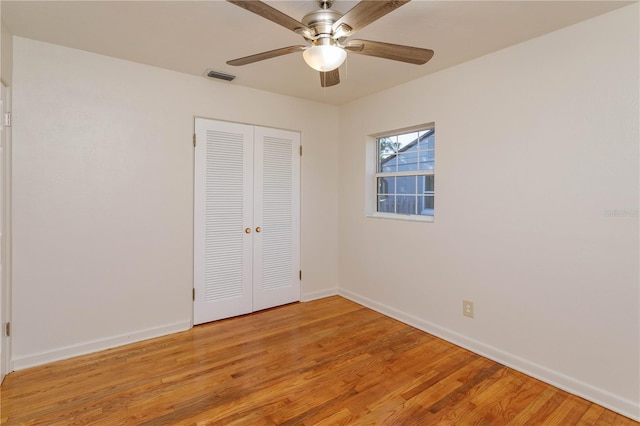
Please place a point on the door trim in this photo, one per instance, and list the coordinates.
(6, 362)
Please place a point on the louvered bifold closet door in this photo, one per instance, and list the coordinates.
(277, 211)
(223, 206)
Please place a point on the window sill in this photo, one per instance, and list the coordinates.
(405, 217)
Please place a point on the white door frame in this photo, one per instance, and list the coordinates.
(5, 232)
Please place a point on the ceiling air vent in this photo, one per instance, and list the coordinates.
(219, 75)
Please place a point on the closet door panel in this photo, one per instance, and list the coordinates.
(276, 214)
(223, 212)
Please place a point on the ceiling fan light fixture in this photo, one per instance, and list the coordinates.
(327, 30)
(324, 56)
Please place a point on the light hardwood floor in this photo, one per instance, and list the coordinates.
(326, 362)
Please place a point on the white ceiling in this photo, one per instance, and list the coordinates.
(192, 36)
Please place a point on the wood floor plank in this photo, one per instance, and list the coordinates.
(592, 415)
(326, 362)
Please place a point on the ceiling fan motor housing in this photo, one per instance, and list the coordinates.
(321, 21)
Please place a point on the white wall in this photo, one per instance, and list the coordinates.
(6, 56)
(103, 195)
(536, 149)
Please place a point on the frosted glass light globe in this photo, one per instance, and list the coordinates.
(324, 57)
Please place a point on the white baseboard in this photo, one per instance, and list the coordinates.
(308, 297)
(66, 352)
(97, 345)
(584, 390)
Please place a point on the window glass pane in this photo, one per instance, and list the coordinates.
(408, 161)
(388, 145)
(406, 185)
(387, 153)
(406, 204)
(426, 165)
(425, 205)
(429, 183)
(386, 203)
(386, 185)
(426, 159)
(430, 142)
(406, 141)
(427, 152)
(389, 165)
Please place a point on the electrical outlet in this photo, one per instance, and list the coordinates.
(467, 308)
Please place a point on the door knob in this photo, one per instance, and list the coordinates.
(247, 230)
(258, 229)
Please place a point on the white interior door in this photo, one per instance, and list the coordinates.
(223, 220)
(276, 259)
(247, 219)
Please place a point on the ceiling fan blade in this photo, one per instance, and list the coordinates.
(265, 55)
(329, 78)
(274, 15)
(364, 13)
(395, 52)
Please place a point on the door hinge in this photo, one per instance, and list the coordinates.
(7, 119)
(300, 274)
(194, 139)
(7, 329)
(193, 294)
(300, 150)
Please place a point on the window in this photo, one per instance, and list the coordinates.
(405, 173)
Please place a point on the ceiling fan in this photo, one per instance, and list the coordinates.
(326, 30)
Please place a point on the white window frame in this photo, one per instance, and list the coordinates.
(372, 175)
